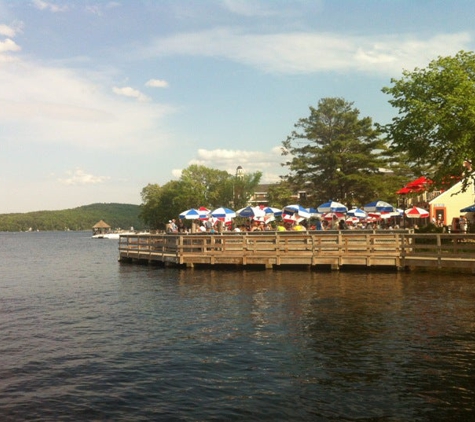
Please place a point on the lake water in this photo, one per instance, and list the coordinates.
(85, 338)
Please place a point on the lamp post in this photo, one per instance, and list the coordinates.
(402, 203)
(237, 177)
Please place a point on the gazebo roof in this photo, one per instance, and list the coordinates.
(101, 225)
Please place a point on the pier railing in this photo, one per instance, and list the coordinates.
(441, 250)
(395, 248)
(335, 248)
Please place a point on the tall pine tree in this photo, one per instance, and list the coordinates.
(337, 155)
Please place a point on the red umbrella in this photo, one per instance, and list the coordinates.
(416, 212)
(330, 215)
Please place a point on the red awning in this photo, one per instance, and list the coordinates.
(404, 191)
(418, 185)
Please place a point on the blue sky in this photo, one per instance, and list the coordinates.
(100, 98)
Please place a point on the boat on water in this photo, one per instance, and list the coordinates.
(112, 235)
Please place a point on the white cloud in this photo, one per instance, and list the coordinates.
(45, 5)
(307, 52)
(8, 45)
(60, 106)
(157, 83)
(267, 162)
(79, 177)
(127, 91)
(10, 31)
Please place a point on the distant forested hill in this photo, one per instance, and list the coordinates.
(122, 216)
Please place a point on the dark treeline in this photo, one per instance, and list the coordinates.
(118, 216)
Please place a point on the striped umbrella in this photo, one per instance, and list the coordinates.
(193, 214)
(271, 210)
(378, 206)
(356, 212)
(332, 206)
(223, 213)
(416, 212)
(251, 212)
(297, 209)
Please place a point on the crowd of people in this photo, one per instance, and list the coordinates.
(251, 225)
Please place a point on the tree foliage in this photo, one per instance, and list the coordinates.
(81, 218)
(435, 124)
(198, 186)
(338, 154)
(280, 194)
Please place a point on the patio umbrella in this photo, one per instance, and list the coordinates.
(251, 212)
(357, 212)
(330, 215)
(291, 218)
(223, 213)
(267, 218)
(332, 206)
(416, 212)
(193, 214)
(297, 209)
(378, 206)
(352, 220)
(471, 208)
(272, 210)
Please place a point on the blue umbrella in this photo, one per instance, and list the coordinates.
(193, 214)
(356, 212)
(271, 210)
(332, 206)
(297, 209)
(250, 212)
(222, 212)
(378, 206)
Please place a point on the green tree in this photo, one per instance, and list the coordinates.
(337, 154)
(435, 124)
(197, 186)
(150, 207)
(203, 186)
(243, 187)
(280, 194)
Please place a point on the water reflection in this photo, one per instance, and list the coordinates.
(86, 338)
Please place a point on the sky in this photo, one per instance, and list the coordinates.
(100, 98)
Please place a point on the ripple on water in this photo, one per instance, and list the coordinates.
(85, 338)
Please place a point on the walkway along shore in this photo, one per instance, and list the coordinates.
(401, 249)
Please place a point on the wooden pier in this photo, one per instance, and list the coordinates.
(381, 248)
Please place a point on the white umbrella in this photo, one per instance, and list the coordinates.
(272, 210)
(291, 218)
(251, 212)
(223, 213)
(378, 206)
(356, 212)
(332, 206)
(193, 214)
(353, 220)
(416, 212)
(330, 215)
(297, 209)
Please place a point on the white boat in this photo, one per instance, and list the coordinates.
(114, 235)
